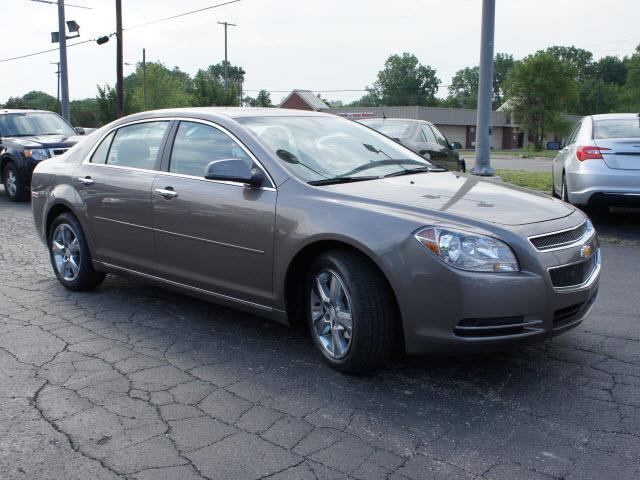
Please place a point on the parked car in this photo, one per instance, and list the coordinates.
(599, 165)
(422, 137)
(26, 138)
(308, 216)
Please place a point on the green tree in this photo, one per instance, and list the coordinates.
(502, 65)
(370, 99)
(165, 88)
(578, 58)
(463, 91)
(34, 99)
(208, 90)
(630, 92)
(404, 81)
(595, 96)
(263, 99)
(84, 113)
(539, 88)
(608, 69)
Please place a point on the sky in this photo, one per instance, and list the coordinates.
(318, 45)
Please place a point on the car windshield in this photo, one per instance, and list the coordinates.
(328, 149)
(617, 128)
(393, 129)
(32, 124)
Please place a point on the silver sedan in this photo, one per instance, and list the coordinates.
(600, 163)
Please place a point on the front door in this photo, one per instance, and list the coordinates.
(215, 236)
(115, 188)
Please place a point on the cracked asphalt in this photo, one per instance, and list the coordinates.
(135, 382)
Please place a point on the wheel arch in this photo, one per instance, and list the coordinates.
(293, 279)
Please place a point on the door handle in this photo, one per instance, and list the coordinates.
(166, 193)
(86, 180)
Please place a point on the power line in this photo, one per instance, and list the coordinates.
(66, 4)
(128, 28)
(182, 14)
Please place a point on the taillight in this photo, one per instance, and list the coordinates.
(587, 152)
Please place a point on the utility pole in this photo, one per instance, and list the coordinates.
(144, 78)
(119, 62)
(483, 128)
(57, 64)
(226, 61)
(64, 76)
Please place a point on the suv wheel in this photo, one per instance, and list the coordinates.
(350, 312)
(14, 184)
(70, 256)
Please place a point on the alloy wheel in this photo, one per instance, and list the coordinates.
(65, 247)
(11, 183)
(331, 314)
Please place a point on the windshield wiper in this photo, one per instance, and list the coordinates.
(331, 181)
(409, 171)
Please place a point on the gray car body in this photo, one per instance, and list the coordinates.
(613, 180)
(247, 247)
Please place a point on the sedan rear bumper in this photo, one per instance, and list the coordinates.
(602, 185)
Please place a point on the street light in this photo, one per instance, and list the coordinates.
(73, 27)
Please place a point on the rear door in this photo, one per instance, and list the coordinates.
(619, 140)
(115, 188)
(212, 235)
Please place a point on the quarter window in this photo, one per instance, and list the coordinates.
(196, 145)
(100, 154)
(137, 146)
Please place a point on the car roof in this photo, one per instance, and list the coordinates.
(23, 110)
(612, 116)
(239, 112)
(395, 120)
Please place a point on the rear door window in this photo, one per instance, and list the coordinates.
(440, 138)
(138, 145)
(429, 136)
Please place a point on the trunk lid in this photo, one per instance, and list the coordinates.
(622, 153)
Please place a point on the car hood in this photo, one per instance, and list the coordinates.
(460, 194)
(45, 141)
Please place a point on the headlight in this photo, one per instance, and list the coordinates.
(36, 153)
(468, 251)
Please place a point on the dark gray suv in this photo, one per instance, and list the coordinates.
(304, 216)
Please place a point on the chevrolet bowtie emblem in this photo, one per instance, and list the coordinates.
(586, 251)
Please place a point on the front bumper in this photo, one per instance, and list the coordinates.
(450, 311)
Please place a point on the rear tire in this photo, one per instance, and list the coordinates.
(564, 194)
(355, 294)
(70, 256)
(14, 183)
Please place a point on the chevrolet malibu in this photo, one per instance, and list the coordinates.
(308, 217)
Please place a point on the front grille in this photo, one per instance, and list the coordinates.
(493, 327)
(573, 275)
(559, 239)
(54, 152)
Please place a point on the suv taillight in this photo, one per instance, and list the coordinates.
(587, 152)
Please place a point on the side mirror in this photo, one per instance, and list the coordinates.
(553, 145)
(455, 145)
(234, 170)
(79, 130)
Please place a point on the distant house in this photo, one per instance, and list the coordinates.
(303, 100)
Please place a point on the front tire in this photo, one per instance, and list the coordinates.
(14, 183)
(70, 256)
(351, 312)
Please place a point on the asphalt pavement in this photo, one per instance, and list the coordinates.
(132, 381)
